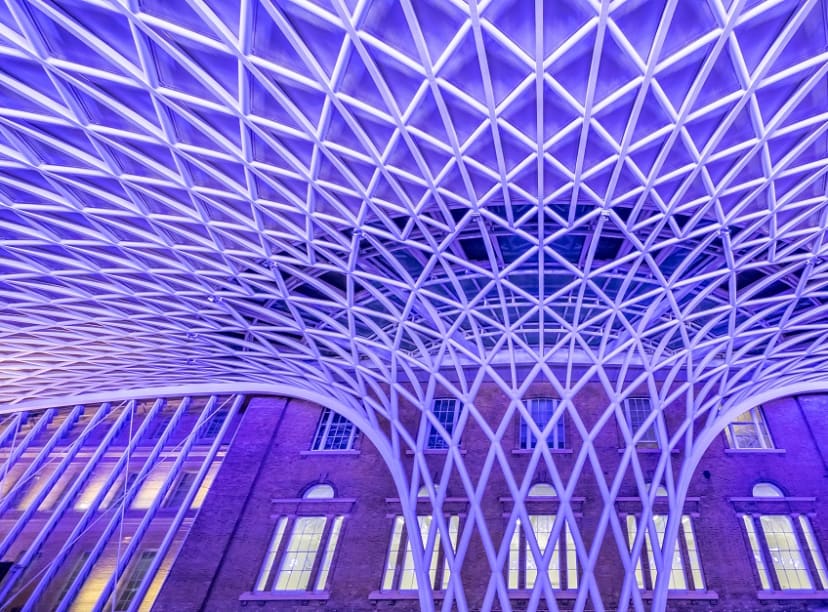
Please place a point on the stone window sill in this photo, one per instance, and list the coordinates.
(393, 595)
(647, 450)
(285, 596)
(529, 451)
(327, 453)
(527, 593)
(753, 451)
(792, 595)
(434, 451)
(710, 595)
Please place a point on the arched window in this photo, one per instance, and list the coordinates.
(291, 563)
(766, 489)
(319, 491)
(542, 489)
(776, 540)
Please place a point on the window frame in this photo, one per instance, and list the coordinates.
(74, 572)
(756, 513)
(434, 438)
(650, 438)
(212, 424)
(759, 422)
(399, 554)
(328, 508)
(563, 555)
(688, 557)
(556, 439)
(178, 491)
(148, 555)
(322, 435)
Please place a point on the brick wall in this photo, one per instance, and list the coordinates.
(270, 460)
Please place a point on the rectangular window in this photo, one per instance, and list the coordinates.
(445, 412)
(542, 411)
(270, 558)
(758, 557)
(179, 492)
(76, 569)
(749, 430)
(136, 576)
(561, 564)
(399, 570)
(785, 553)
(638, 409)
(212, 427)
(160, 426)
(119, 490)
(300, 556)
(334, 432)
(816, 557)
(685, 565)
(330, 549)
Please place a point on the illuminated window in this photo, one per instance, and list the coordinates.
(118, 492)
(73, 573)
(685, 565)
(542, 411)
(297, 557)
(638, 410)
(400, 574)
(560, 565)
(334, 432)
(130, 586)
(34, 485)
(749, 430)
(776, 542)
(445, 411)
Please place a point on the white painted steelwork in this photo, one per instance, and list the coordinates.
(113, 441)
(379, 201)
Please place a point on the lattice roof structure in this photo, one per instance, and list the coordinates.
(369, 201)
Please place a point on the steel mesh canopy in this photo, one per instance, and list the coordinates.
(385, 202)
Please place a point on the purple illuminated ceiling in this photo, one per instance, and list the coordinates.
(340, 194)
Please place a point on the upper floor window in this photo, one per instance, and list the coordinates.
(334, 432)
(749, 430)
(542, 411)
(160, 426)
(638, 410)
(777, 542)
(445, 412)
(400, 574)
(302, 560)
(212, 427)
(560, 565)
(178, 492)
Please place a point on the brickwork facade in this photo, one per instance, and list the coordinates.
(271, 465)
